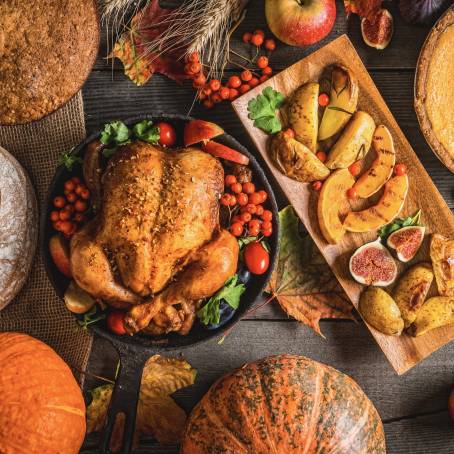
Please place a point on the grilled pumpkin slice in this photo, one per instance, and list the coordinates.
(387, 208)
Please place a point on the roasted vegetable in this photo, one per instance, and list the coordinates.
(380, 311)
(296, 160)
(354, 142)
(303, 114)
(382, 168)
(411, 291)
(387, 208)
(333, 205)
(343, 100)
(437, 311)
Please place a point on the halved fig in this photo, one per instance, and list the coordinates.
(373, 264)
(196, 131)
(59, 251)
(406, 241)
(378, 31)
(223, 152)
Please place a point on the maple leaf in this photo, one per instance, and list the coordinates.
(302, 282)
(157, 413)
(363, 8)
(131, 47)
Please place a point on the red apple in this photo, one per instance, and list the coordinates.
(300, 22)
(200, 131)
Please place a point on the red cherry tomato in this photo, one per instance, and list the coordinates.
(115, 322)
(270, 44)
(236, 188)
(352, 193)
(321, 155)
(230, 179)
(323, 99)
(355, 168)
(400, 169)
(255, 198)
(317, 185)
(167, 134)
(262, 62)
(248, 187)
(256, 258)
(267, 215)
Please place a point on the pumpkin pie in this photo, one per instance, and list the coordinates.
(47, 50)
(434, 89)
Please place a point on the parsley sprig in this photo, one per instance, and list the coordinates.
(399, 223)
(263, 109)
(90, 317)
(70, 160)
(231, 293)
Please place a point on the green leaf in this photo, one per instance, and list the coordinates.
(263, 110)
(145, 131)
(230, 292)
(70, 160)
(115, 133)
(399, 223)
(90, 317)
(245, 241)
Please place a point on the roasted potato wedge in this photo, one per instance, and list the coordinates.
(382, 168)
(437, 311)
(411, 291)
(442, 255)
(333, 204)
(303, 114)
(387, 208)
(295, 160)
(379, 310)
(354, 142)
(343, 99)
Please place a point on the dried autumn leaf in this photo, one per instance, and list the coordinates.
(158, 415)
(131, 48)
(302, 282)
(363, 8)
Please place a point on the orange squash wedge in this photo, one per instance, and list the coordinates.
(382, 168)
(333, 204)
(387, 208)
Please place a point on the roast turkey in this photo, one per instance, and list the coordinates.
(155, 247)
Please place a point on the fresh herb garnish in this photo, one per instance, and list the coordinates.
(245, 241)
(114, 134)
(263, 110)
(146, 131)
(231, 293)
(90, 317)
(340, 109)
(399, 223)
(70, 160)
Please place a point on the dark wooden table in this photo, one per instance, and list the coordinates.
(414, 406)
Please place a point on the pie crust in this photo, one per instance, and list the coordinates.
(434, 89)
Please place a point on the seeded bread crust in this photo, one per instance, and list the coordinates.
(47, 50)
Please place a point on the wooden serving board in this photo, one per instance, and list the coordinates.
(404, 351)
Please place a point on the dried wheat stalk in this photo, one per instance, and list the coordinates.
(202, 26)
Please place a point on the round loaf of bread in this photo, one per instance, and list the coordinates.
(47, 50)
(18, 227)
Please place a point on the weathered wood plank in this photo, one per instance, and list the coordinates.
(348, 347)
(108, 96)
(402, 52)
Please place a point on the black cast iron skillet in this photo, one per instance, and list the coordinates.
(135, 350)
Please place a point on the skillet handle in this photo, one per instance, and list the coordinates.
(125, 397)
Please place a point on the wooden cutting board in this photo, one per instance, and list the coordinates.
(405, 351)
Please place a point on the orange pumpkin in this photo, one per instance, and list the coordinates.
(42, 410)
(284, 404)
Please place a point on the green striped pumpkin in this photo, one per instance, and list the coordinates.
(284, 404)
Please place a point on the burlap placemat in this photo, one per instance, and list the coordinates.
(37, 310)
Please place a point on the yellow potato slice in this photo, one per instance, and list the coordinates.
(296, 160)
(342, 100)
(333, 204)
(354, 142)
(303, 114)
(382, 168)
(387, 208)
